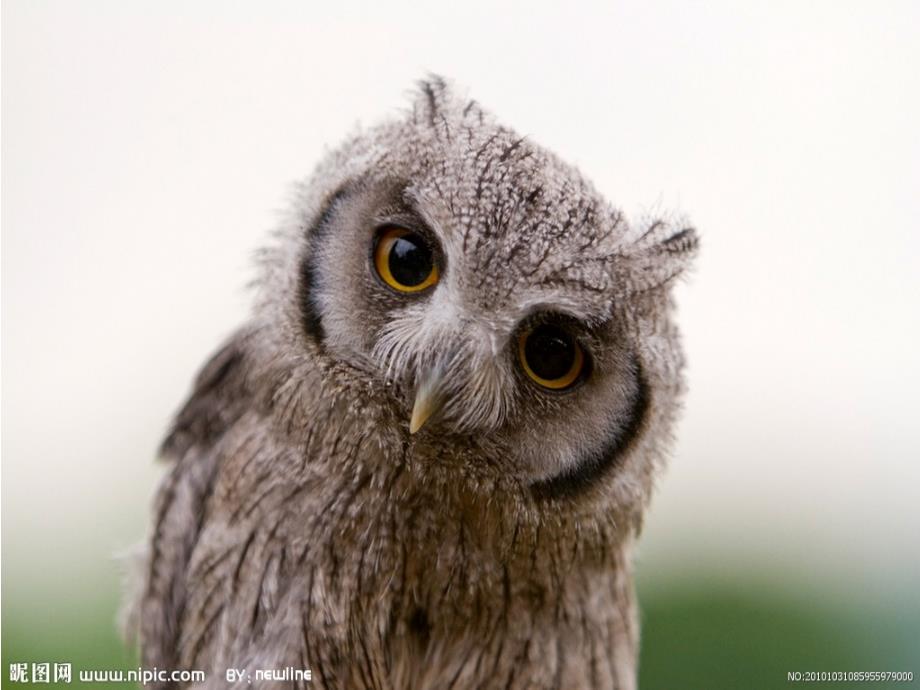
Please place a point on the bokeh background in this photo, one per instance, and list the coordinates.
(148, 146)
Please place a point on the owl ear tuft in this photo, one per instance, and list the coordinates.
(662, 253)
(434, 96)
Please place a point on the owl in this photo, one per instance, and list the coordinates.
(423, 460)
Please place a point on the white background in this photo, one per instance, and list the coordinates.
(147, 148)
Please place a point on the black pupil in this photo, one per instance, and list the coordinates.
(550, 352)
(410, 260)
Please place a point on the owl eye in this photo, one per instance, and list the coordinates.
(404, 261)
(551, 357)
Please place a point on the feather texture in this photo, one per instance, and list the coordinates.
(302, 525)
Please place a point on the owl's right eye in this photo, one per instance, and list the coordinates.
(404, 260)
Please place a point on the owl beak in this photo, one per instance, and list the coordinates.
(428, 400)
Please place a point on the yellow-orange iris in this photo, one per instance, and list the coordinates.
(573, 365)
(404, 261)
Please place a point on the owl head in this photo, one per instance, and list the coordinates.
(494, 310)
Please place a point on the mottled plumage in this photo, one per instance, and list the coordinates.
(303, 525)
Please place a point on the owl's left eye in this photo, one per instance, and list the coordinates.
(404, 260)
(551, 357)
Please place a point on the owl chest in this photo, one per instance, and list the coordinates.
(405, 592)
(434, 601)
